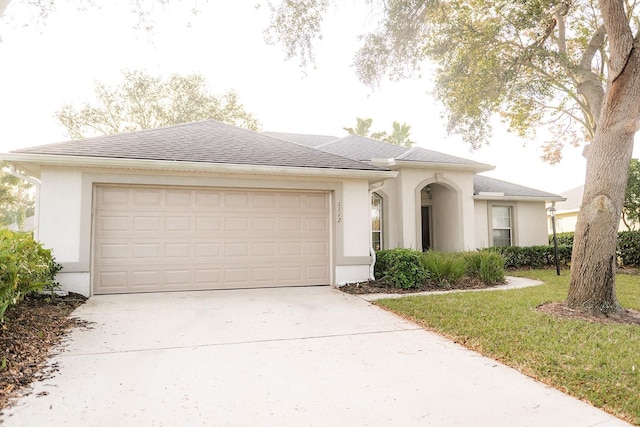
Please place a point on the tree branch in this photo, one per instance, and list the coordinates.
(559, 14)
(595, 44)
(620, 35)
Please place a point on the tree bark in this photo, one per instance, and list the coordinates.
(593, 262)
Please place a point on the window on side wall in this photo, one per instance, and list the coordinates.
(376, 221)
(501, 224)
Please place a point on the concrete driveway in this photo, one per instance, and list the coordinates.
(294, 356)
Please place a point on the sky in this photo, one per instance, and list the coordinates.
(45, 65)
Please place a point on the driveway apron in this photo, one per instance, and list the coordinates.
(278, 357)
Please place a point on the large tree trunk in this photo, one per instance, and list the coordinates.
(593, 261)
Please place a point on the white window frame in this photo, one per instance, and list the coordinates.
(379, 208)
(511, 227)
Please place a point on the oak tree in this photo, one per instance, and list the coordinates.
(572, 66)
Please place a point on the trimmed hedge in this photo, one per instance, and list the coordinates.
(533, 256)
(401, 268)
(563, 238)
(627, 252)
(25, 266)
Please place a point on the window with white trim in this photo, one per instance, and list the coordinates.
(501, 225)
(376, 221)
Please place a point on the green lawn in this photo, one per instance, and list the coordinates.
(598, 363)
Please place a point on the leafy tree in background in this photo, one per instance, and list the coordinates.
(631, 207)
(17, 201)
(143, 101)
(569, 66)
(363, 127)
(399, 132)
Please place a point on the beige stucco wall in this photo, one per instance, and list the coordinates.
(529, 222)
(452, 214)
(65, 221)
(481, 224)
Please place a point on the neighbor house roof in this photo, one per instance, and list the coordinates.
(491, 188)
(302, 139)
(573, 202)
(201, 142)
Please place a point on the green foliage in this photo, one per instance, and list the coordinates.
(517, 257)
(25, 266)
(486, 266)
(538, 64)
(407, 268)
(401, 268)
(631, 207)
(593, 361)
(444, 268)
(143, 101)
(628, 250)
(565, 238)
(17, 200)
(399, 135)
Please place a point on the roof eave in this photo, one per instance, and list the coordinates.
(520, 198)
(32, 164)
(390, 163)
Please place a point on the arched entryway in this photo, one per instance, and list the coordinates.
(439, 218)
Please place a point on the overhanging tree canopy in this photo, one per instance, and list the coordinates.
(572, 65)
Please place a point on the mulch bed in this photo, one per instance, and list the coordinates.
(30, 330)
(560, 309)
(378, 286)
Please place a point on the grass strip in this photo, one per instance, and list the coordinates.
(596, 362)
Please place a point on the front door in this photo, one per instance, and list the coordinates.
(426, 228)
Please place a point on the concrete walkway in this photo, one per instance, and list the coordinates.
(512, 283)
(278, 357)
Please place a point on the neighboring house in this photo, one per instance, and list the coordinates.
(567, 212)
(210, 206)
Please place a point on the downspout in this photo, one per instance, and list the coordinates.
(372, 251)
(36, 183)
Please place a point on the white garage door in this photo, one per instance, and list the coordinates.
(149, 239)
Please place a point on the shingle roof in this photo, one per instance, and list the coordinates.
(364, 149)
(302, 139)
(208, 142)
(574, 199)
(491, 185)
(419, 154)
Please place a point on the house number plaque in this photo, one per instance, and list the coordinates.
(339, 212)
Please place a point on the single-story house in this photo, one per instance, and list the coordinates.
(207, 205)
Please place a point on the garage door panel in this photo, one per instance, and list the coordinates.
(161, 239)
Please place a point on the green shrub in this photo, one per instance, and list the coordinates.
(563, 238)
(444, 268)
(25, 266)
(401, 268)
(628, 250)
(486, 266)
(533, 256)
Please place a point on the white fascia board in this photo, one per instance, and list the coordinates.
(432, 165)
(519, 198)
(31, 163)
